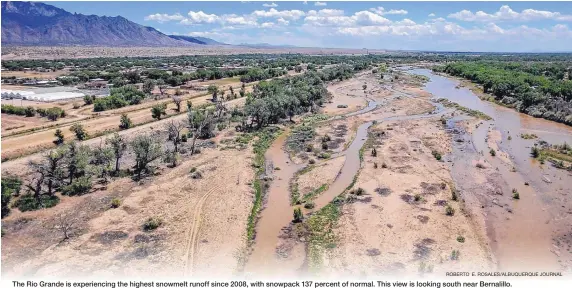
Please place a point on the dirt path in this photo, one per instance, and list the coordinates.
(194, 229)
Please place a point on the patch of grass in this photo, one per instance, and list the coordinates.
(315, 193)
(152, 223)
(321, 235)
(471, 112)
(436, 154)
(528, 136)
(299, 137)
(455, 255)
(29, 203)
(115, 203)
(309, 205)
(449, 211)
(515, 194)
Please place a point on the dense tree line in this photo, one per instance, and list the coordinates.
(119, 97)
(284, 98)
(538, 89)
(53, 113)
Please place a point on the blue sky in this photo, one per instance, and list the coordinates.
(444, 26)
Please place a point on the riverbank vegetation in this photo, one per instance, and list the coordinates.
(539, 89)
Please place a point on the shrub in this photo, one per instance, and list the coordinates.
(79, 131)
(115, 203)
(54, 113)
(509, 138)
(184, 138)
(342, 106)
(359, 191)
(454, 195)
(158, 111)
(78, 187)
(125, 122)
(193, 170)
(325, 146)
(88, 99)
(309, 205)
(515, 194)
(455, 255)
(373, 152)
(152, 223)
(417, 198)
(76, 105)
(480, 165)
(298, 216)
(460, 239)
(29, 203)
(312, 161)
(383, 165)
(59, 137)
(30, 111)
(436, 154)
(449, 211)
(534, 152)
(375, 165)
(324, 155)
(493, 152)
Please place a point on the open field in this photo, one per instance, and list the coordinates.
(19, 53)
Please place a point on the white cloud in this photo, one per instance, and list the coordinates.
(318, 3)
(234, 19)
(200, 17)
(331, 17)
(305, 2)
(282, 21)
(432, 15)
(272, 5)
(285, 14)
(164, 17)
(267, 25)
(505, 13)
(382, 11)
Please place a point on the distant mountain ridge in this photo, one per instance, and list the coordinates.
(35, 23)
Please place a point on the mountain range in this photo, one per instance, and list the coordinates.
(35, 23)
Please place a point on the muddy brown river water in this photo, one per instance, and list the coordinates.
(521, 238)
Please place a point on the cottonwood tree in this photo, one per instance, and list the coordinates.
(102, 159)
(199, 121)
(148, 86)
(146, 149)
(232, 95)
(119, 146)
(162, 86)
(177, 100)
(48, 172)
(174, 129)
(76, 160)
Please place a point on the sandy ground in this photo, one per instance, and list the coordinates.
(324, 173)
(386, 230)
(204, 225)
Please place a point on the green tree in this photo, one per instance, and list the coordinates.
(213, 89)
(125, 122)
(59, 137)
(146, 149)
(79, 131)
(158, 110)
(119, 146)
(148, 86)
